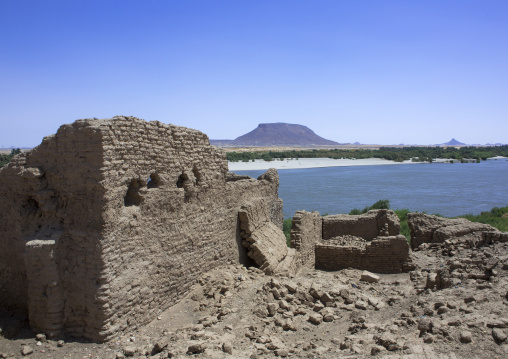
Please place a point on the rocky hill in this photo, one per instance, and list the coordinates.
(277, 134)
(453, 142)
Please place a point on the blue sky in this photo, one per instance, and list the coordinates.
(384, 72)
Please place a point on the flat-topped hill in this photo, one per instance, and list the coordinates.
(277, 134)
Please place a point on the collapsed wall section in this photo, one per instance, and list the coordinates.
(265, 242)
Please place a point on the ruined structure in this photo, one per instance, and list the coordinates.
(109, 222)
(370, 241)
(431, 229)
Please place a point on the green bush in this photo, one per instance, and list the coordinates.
(494, 217)
(381, 204)
(286, 228)
(5, 159)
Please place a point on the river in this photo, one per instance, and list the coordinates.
(444, 188)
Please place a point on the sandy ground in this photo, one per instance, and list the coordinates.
(309, 163)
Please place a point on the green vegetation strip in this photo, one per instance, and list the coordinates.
(496, 217)
(397, 154)
(4, 159)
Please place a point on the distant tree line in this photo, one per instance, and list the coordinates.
(397, 154)
(6, 158)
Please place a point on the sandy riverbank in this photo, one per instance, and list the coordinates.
(309, 163)
(287, 164)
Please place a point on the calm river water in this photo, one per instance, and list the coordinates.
(444, 188)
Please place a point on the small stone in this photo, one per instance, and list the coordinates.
(369, 277)
(227, 347)
(442, 310)
(196, 348)
(129, 351)
(376, 349)
(315, 318)
(357, 349)
(60, 343)
(326, 297)
(328, 317)
(284, 304)
(360, 304)
(119, 356)
(282, 352)
(318, 307)
(499, 335)
(41, 338)
(160, 344)
(428, 338)
(26, 350)
(336, 341)
(272, 309)
(425, 325)
(292, 287)
(466, 337)
(438, 305)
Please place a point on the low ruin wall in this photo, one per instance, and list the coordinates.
(381, 255)
(370, 241)
(305, 233)
(367, 226)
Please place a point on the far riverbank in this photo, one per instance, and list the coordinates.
(291, 163)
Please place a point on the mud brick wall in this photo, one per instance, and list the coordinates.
(367, 226)
(137, 211)
(305, 233)
(54, 193)
(382, 255)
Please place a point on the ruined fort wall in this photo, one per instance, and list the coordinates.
(367, 226)
(51, 200)
(110, 222)
(160, 236)
(381, 255)
(305, 233)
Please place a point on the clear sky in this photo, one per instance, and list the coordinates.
(383, 72)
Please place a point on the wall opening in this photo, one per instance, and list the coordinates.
(154, 181)
(182, 180)
(30, 207)
(196, 174)
(132, 197)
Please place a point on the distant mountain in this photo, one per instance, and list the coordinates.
(277, 134)
(453, 142)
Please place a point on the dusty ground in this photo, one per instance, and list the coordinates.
(454, 305)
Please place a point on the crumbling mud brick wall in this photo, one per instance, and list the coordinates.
(114, 220)
(427, 228)
(381, 255)
(367, 226)
(305, 233)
